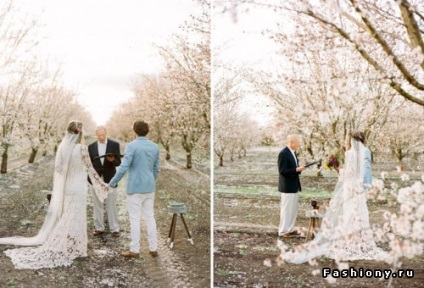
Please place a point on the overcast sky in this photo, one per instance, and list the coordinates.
(103, 44)
(242, 41)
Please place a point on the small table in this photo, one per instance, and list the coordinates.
(175, 209)
(315, 217)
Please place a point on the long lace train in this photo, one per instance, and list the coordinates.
(67, 239)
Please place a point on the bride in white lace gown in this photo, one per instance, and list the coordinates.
(63, 235)
(345, 232)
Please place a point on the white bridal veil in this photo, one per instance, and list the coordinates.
(55, 209)
(345, 232)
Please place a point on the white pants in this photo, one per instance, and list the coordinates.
(137, 203)
(288, 212)
(112, 215)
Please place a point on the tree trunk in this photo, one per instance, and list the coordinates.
(4, 159)
(400, 156)
(189, 163)
(43, 145)
(221, 161)
(32, 155)
(168, 153)
(401, 167)
(415, 156)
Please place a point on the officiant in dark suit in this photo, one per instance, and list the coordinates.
(106, 168)
(289, 186)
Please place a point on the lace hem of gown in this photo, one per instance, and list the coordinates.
(68, 239)
(360, 246)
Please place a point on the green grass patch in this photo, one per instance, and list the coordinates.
(254, 189)
(12, 282)
(269, 191)
(222, 272)
(315, 194)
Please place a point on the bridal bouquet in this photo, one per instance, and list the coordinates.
(332, 162)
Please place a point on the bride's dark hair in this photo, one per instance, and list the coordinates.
(358, 136)
(75, 127)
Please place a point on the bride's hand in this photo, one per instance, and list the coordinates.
(109, 189)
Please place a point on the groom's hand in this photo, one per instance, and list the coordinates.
(300, 169)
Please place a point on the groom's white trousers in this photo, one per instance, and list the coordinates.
(137, 203)
(289, 206)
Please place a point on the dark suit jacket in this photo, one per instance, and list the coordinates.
(107, 170)
(288, 181)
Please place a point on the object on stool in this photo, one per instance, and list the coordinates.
(314, 220)
(175, 209)
(49, 197)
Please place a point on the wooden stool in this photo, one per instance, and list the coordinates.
(175, 209)
(314, 222)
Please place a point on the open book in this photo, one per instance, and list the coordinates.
(109, 154)
(312, 163)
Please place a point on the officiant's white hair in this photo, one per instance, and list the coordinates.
(293, 137)
(101, 128)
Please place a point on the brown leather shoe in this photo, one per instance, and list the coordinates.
(130, 254)
(116, 234)
(154, 254)
(98, 232)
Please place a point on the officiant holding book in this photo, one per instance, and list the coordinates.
(289, 186)
(105, 156)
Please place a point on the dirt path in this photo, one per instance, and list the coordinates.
(22, 202)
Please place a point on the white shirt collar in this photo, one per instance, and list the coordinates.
(294, 154)
(98, 142)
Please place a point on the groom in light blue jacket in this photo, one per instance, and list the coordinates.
(141, 160)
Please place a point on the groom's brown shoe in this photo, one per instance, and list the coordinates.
(130, 254)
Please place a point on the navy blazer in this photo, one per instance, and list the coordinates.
(107, 170)
(288, 180)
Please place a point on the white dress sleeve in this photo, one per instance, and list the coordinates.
(100, 187)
